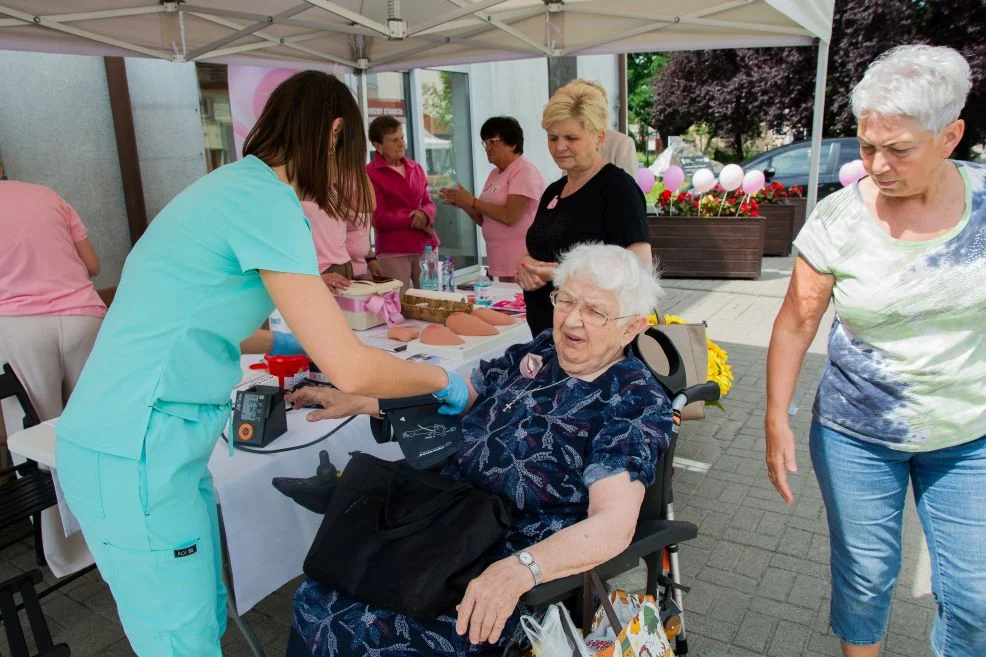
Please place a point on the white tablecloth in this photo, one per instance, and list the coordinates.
(267, 534)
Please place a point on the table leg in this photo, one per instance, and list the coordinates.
(227, 574)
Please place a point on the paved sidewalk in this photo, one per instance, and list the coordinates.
(758, 569)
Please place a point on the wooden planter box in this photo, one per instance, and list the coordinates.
(702, 247)
(779, 225)
(800, 214)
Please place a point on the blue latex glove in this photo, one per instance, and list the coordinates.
(285, 344)
(454, 396)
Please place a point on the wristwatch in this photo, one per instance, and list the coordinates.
(527, 559)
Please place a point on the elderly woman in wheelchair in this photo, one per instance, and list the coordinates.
(567, 428)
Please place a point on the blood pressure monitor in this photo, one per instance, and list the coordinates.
(259, 416)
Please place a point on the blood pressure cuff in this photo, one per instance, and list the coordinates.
(425, 437)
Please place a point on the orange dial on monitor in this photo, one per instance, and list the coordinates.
(245, 431)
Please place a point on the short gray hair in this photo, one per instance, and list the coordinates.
(612, 269)
(926, 83)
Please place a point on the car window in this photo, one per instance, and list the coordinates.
(759, 165)
(795, 162)
(848, 151)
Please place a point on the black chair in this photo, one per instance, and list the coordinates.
(657, 531)
(24, 584)
(27, 490)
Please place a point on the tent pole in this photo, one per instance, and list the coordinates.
(364, 102)
(821, 72)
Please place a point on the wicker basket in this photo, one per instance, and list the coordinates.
(431, 310)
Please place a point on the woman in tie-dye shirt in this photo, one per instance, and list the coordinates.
(902, 253)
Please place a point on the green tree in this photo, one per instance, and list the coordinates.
(438, 102)
(642, 69)
(776, 85)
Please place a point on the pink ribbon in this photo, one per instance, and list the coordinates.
(387, 304)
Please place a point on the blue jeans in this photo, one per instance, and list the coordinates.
(863, 485)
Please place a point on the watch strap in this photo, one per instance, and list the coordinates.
(534, 568)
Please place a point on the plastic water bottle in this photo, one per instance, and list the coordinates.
(483, 289)
(430, 278)
(448, 275)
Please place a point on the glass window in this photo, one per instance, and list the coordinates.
(795, 162)
(447, 141)
(217, 119)
(387, 95)
(848, 151)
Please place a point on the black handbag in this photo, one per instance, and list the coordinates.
(404, 539)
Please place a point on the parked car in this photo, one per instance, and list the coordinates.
(788, 164)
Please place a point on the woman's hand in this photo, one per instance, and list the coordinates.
(335, 403)
(458, 196)
(336, 282)
(374, 267)
(780, 456)
(534, 274)
(491, 598)
(419, 220)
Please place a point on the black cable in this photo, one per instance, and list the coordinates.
(288, 449)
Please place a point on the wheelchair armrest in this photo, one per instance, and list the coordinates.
(650, 537)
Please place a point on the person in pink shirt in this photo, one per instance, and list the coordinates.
(365, 263)
(506, 207)
(404, 219)
(329, 235)
(49, 309)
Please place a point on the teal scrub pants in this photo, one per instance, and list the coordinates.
(152, 527)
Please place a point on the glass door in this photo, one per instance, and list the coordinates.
(446, 138)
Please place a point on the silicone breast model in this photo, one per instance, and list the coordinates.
(493, 317)
(439, 336)
(402, 333)
(464, 324)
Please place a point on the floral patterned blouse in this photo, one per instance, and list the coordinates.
(540, 443)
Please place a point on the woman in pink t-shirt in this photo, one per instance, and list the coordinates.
(49, 309)
(506, 207)
(329, 235)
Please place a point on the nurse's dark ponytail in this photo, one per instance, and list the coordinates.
(294, 130)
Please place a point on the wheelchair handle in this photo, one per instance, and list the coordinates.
(704, 392)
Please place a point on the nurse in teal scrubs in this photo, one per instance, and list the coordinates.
(135, 440)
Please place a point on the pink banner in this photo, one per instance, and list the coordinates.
(249, 89)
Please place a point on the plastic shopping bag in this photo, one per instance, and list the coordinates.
(555, 635)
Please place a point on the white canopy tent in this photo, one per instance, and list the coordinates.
(367, 36)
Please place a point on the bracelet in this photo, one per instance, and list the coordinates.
(473, 204)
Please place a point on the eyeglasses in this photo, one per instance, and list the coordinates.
(489, 142)
(591, 315)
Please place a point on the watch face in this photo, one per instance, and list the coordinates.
(526, 558)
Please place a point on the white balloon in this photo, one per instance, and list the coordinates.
(731, 177)
(703, 180)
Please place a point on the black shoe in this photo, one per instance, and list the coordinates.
(313, 493)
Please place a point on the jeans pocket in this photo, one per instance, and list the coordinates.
(77, 470)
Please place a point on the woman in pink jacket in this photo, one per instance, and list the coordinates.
(404, 219)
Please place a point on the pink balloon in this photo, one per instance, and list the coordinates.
(850, 172)
(645, 179)
(674, 177)
(753, 181)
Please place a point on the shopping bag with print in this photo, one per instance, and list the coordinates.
(626, 625)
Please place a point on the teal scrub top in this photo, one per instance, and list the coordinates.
(189, 294)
